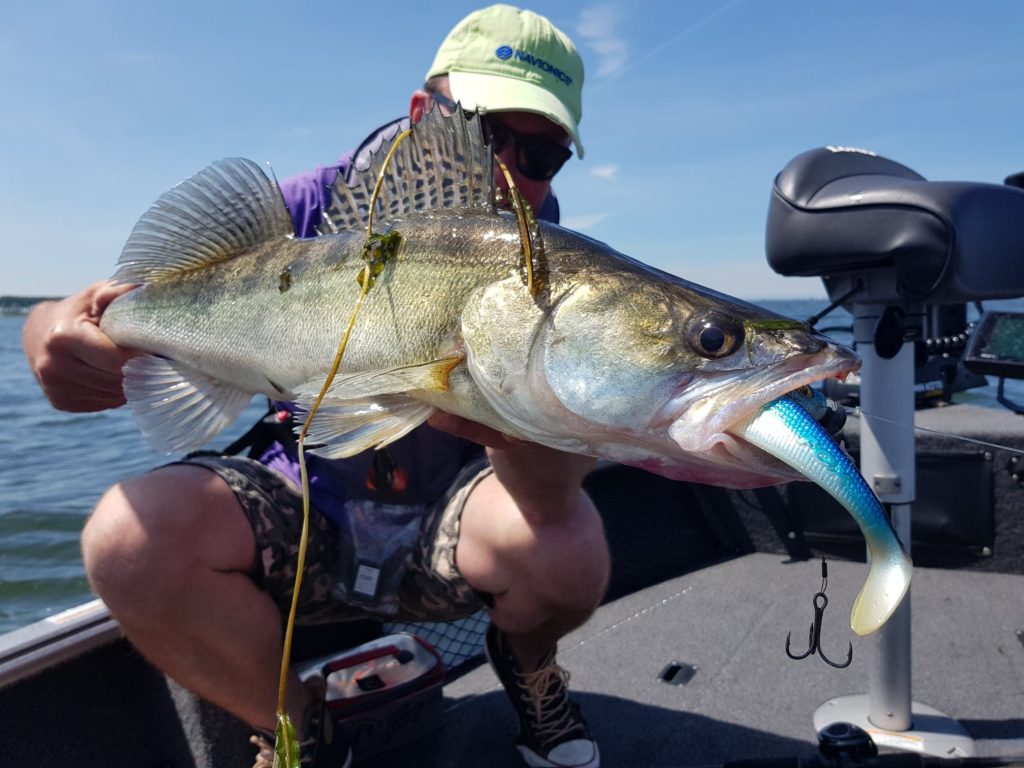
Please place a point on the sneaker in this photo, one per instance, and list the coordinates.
(328, 747)
(552, 732)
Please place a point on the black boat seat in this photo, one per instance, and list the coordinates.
(836, 210)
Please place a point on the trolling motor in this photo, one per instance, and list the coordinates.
(890, 247)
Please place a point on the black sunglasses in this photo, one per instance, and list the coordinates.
(537, 158)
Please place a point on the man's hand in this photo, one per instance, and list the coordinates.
(76, 364)
(471, 430)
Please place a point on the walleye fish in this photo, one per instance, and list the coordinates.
(785, 429)
(601, 355)
(610, 357)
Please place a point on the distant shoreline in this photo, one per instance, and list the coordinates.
(20, 305)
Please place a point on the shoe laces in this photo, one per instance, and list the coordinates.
(546, 696)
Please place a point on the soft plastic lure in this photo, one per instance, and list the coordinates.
(785, 429)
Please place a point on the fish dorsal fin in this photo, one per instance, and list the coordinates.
(223, 211)
(445, 164)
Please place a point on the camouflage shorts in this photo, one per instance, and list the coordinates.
(432, 588)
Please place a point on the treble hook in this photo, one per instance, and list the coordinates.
(814, 635)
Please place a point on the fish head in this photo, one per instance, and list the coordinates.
(631, 364)
(676, 366)
(743, 357)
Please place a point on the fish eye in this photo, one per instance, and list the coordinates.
(714, 336)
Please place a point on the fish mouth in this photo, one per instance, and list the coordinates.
(702, 418)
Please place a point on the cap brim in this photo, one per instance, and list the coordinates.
(493, 93)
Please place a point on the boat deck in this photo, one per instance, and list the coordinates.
(746, 698)
(710, 579)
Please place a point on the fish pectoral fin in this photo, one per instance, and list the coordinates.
(348, 427)
(431, 376)
(179, 408)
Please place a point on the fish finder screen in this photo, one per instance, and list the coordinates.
(997, 345)
(1006, 340)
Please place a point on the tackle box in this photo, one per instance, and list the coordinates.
(384, 693)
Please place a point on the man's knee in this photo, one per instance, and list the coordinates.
(570, 565)
(564, 562)
(584, 563)
(146, 530)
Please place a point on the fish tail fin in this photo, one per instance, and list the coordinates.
(889, 570)
(221, 212)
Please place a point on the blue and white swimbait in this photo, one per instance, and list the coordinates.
(785, 429)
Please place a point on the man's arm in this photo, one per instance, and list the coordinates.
(542, 481)
(76, 364)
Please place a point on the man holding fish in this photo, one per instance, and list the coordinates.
(187, 556)
(467, 321)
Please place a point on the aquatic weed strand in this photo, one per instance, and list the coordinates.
(377, 251)
(524, 217)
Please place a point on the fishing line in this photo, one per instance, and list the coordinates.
(857, 412)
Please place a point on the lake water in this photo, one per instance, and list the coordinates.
(54, 467)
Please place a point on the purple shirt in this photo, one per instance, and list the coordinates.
(422, 465)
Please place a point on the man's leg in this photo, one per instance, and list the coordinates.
(173, 555)
(532, 538)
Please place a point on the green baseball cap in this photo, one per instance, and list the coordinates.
(502, 58)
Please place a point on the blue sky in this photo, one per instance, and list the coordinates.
(690, 109)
